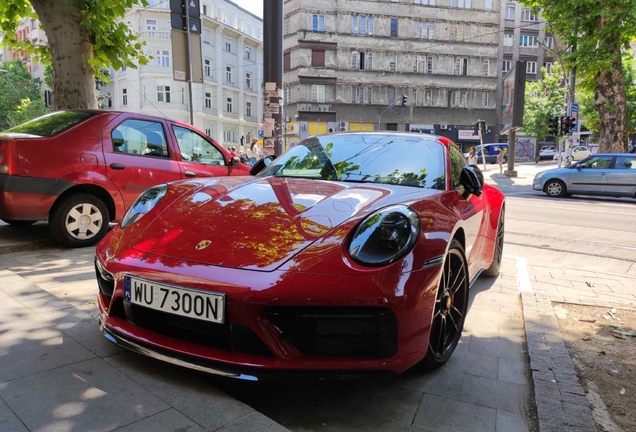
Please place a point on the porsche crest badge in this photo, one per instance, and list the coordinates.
(203, 244)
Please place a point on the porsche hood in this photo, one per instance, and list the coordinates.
(260, 224)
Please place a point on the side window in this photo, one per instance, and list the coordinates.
(457, 164)
(597, 162)
(140, 137)
(626, 162)
(195, 148)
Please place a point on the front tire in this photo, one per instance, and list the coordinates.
(493, 270)
(79, 220)
(18, 222)
(555, 188)
(451, 305)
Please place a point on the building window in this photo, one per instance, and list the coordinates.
(287, 96)
(429, 64)
(509, 39)
(354, 60)
(488, 5)
(527, 15)
(391, 96)
(228, 104)
(208, 100)
(287, 61)
(207, 36)
(460, 66)
(207, 67)
(228, 44)
(485, 99)
(248, 80)
(318, 23)
(548, 42)
(548, 67)
(286, 26)
(205, 10)
(424, 2)
(461, 4)
(317, 58)
(248, 109)
(531, 67)
(510, 12)
(183, 95)
(124, 96)
(528, 41)
(228, 74)
(485, 67)
(362, 25)
(208, 132)
(424, 30)
(318, 93)
(361, 60)
(163, 58)
(428, 98)
(505, 67)
(394, 27)
(163, 94)
(248, 52)
(393, 63)
(151, 24)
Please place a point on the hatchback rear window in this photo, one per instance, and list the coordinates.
(50, 124)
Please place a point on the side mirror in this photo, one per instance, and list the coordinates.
(234, 161)
(472, 179)
(262, 164)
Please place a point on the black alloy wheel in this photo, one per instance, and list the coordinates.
(493, 270)
(451, 306)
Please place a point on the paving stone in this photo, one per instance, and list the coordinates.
(596, 287)
(90, 395)
(13, 425)
(498, 348)
(577, 291)
(512, 371)
(168, 420)
(474, 364)
(495, 394)
(511, 309)
(439, 414)
(555, 282)
(511, 422)
(574, 399)
(183, 390)
(578, 415)
(5, 412)
(41, 347)
(255, 422)
(446, 381)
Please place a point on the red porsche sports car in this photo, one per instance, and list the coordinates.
(349, 253)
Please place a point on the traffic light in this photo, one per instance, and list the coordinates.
(476, 128)
(404, 99)
(565, 125)
(482, 127)
(553, 126)
(572, 123)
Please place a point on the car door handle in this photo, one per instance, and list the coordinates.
(117, 166)
(190, 174)
(603, 173)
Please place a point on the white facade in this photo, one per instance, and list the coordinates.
(228, 105)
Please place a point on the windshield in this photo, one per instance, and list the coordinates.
(50, 124)
(410, 160)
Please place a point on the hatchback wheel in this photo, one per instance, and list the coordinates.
(451, 305)
(18, 222)
(555, 188)
(79, 220)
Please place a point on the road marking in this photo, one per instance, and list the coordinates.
(523, 279)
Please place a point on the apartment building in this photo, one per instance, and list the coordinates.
(28, 29)
(347, 61)
(228, 105)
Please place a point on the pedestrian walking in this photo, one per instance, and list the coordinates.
(256, 151)
(500, 158)
(471, 159)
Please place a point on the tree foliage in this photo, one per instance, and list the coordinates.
(600, 30)
(84, 37)
(16, 86)
(543, 99)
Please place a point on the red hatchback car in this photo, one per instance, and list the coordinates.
(81, 170)
(349, 253)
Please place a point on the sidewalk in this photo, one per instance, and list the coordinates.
(525, 173)
(57, 373)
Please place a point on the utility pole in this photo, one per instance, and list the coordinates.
(189, 62)
(272, 75)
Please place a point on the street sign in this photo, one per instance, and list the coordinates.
(260, 133)
(574, 115)
(178, 22)
(180, 59)
(193, 7)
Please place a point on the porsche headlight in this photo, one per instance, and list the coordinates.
(385, 236)
(143, 204)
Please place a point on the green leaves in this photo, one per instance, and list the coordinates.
(16, 85)
(544, 99)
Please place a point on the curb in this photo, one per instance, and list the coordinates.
(560, 399)
(24, 246)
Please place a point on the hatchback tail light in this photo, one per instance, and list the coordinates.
(8, 156)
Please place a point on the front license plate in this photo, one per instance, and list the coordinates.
(179, 301)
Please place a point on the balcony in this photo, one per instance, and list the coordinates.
(533, 51)
(508, 50)
(154, 34)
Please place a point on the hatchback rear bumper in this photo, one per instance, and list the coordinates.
(29, 198)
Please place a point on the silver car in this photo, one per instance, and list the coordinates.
(609, 174)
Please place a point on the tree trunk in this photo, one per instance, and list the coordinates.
(611, 104)
(71, 48)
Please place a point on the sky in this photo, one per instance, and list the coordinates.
(254, 6)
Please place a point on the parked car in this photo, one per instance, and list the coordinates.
(349, 252)
(82, 169)
(547, 152)
(491, 151)
(632, 149)
(611, 174)
(578, 153)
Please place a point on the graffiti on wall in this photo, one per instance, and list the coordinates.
(525, 149)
